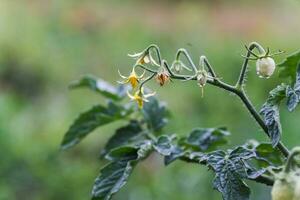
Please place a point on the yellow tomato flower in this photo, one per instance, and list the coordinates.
(133, 78)
(143, 58)
(140, 97)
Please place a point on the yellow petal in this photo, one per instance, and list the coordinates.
(134, 82)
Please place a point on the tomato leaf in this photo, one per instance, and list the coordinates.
(164, 145)
(122, 153)
(270, 113)
(293, 93)
(176, 153)
(207, 138)
(230, 171)
(102, 87)
(88, 121)
(288, 67)
(266, 152)
(155, 114)
(116, 174)
(113, 177)
(123, 136)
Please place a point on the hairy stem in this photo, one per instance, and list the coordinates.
(238, 89)
(243, 72)
(259, 120)
(242, 95)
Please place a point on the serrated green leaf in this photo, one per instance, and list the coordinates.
(111, 179)
(292, 99)
(205, 139)
(102, 87)
(288, 67)
(115, 175)
(277, 94)
(293, 93)
(88, 121)
(230, 171)
(270, 113)
(176, 153)
(122, 153)
(123, 136)
(164, 145)
(155, 114)
(266, 152)
(145, 148)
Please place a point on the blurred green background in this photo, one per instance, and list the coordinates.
(44, 45)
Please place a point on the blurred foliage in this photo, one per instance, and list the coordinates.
(47, 44)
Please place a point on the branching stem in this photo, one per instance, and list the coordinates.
(252, 46)
(238, 89)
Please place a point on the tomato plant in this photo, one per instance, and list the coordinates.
(266, 163)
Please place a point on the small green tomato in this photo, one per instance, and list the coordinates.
(287, 182)
(265, 67)
(283, 188)
(297, 186)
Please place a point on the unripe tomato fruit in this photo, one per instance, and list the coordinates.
(297, 186)
(283, 189)
(265, 67)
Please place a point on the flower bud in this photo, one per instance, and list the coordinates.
(178, 66)
(202, 78)
(265, 67)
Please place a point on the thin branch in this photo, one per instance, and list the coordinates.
(145, 68)
(154, 46)
(238, 89)
(186, 54)
(264, 180)
(253, 45)
(209, 67)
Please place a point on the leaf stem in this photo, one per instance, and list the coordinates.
(264, 179)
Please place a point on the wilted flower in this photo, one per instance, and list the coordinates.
(140, 97)
(178, 66)
(133, 78)
(163, 76)
(265, 67)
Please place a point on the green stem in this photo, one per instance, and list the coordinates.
(203, 60)
(238, 89)
(154, 46)
(253, 45)
(242, 95)
(290, 160)
(258, 119)
(189, 59)
(148, 79)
